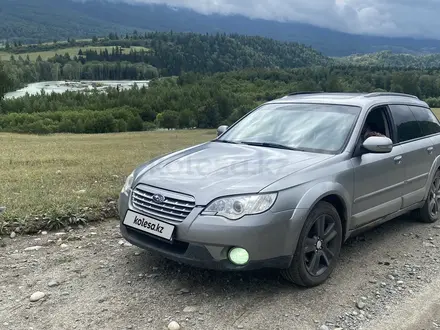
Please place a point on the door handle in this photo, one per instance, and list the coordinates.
(398, 159)
(430, 150)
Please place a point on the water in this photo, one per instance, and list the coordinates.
(79, 86)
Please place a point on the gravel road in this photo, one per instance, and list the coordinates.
(89, 278)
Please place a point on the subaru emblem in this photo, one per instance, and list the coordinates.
(158, 198)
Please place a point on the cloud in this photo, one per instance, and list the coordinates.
(414, 18)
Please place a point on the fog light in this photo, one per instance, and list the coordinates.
(238, 256)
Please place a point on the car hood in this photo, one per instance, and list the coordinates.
(218, 169)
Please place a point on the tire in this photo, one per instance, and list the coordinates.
(430, 211)
(313, 262)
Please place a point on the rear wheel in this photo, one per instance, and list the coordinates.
(318, 247)
(430, 211)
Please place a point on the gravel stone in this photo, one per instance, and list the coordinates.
(173, 325)
(360, 305)
(190, 309)
(53, 283)
(37, 296)
(33, 248)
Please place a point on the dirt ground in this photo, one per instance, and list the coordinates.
(387, 278)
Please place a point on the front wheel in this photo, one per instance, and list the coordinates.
(318, 247)
(430, 211)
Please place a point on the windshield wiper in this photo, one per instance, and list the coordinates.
(270, 145)
(225, 141)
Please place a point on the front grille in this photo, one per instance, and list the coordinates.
(175, 207)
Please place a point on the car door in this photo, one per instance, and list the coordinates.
(379, 179)
(418, 153)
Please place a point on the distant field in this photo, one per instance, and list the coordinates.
(72, 51)
(59, 173)
(436, 112)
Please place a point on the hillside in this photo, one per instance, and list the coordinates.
(388, 59)
(45, 20)
(149, 55)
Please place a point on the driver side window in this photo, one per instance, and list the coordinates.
(376, 124)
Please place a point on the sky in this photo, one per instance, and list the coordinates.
(413, 18)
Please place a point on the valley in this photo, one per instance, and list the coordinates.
(91, 89)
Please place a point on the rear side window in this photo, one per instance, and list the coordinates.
(427, 120)
(406, 123)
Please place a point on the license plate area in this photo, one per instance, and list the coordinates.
(149, 225)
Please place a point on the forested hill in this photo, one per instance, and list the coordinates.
(388, 59)
(46, 20)
(148, 55)
(174, 53)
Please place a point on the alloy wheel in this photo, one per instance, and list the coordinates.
(434, 198)
(321, 245)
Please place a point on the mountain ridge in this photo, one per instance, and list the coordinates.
(45, 20)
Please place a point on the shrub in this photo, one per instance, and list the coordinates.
(148, 126)
(135, 123)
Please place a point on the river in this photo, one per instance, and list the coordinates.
(79, 86)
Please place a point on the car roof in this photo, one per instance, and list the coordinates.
(364, 100)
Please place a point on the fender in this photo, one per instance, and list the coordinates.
(319, 191)
(434, 167)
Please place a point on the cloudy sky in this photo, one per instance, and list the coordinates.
(379, 17)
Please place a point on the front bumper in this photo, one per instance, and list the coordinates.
(204, 241)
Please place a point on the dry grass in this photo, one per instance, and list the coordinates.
(45, 174)
(62, 173)
(436, 112)
(72, 51)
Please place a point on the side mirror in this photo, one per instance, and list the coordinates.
(378, 144)
(221, 130)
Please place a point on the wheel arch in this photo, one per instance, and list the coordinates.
(434, 168)
(333, 193)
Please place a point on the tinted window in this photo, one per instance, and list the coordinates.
(427, 120)
(407, 126)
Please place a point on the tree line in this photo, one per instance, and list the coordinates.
(198, 100)
(23, 71)
(289, 54)
(173, 53)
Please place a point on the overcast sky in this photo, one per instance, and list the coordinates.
(380, 17)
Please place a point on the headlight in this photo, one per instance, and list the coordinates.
(128, 184)
(235, 207)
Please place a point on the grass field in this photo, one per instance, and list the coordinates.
(72, 51)
(436, 112)
(62, 173)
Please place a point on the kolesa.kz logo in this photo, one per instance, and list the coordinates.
(147, 224)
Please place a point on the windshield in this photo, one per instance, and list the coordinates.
(307, 127)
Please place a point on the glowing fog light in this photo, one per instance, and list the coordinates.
(238, 256)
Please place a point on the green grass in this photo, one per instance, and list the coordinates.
(46, 174)
(72, 51)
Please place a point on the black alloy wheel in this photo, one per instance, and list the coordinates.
(321, 245)
(318, 247)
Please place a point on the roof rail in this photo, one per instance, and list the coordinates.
(375, 94)
(299, 93)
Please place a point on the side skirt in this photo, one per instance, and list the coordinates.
(387, 218)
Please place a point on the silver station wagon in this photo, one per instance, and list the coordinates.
(286, 185)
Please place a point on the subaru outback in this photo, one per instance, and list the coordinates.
(286, 185)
